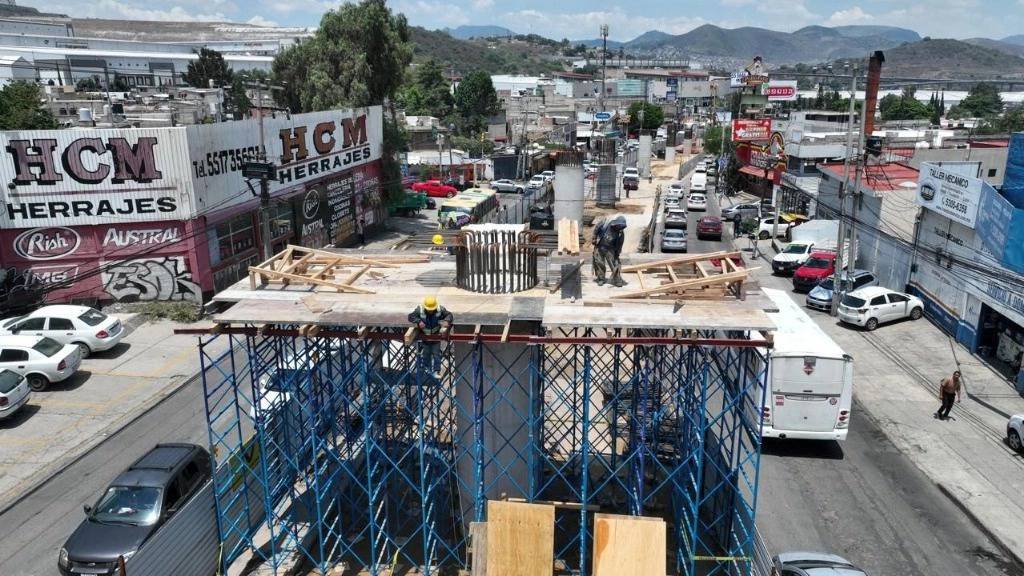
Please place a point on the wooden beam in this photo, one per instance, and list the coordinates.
(326, 268)
(672, 273)
(355, 275)
(691, 283)
(504, 333)
(410, 334)
(363, 331)
(679, 260)
(290, 268)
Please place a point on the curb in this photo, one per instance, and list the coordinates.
(43, 477)
(995, 538)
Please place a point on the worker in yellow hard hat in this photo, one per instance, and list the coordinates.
(431, 318)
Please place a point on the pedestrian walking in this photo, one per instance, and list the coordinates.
(949, 390)
(361, 231)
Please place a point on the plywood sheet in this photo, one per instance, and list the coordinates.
(520, 539)
(632, 545)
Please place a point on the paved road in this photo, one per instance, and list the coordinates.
(862, 498)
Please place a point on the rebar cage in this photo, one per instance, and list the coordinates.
(344, 451)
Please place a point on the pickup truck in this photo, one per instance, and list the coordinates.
(630, 179)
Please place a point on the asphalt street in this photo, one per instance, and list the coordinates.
(861, 499)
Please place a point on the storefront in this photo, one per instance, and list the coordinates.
(165, 214)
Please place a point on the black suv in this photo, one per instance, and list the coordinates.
(135, 505)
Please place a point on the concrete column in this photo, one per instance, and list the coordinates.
(568, 193)
(643, 162)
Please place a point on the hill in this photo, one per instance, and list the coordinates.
(495, 56)
(596, 43)
(891, 32)
(947, 58)
(467, 32)
(810, 44)
(1000, 45)
(1016, 39)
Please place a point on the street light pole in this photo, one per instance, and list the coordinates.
(841, 235)
(604, 54)
(451, 164)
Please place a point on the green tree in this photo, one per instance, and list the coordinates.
(21, 108)
(714, 138)
(209, 66)
(904, 107)
(653, 116)
(90, 84)
(475, 102)
(1013, 119)
(357, 57)
(983, 100)
(430, 93)
(476, 147)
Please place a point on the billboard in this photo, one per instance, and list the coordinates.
(307, 149)
(949, 193)
(747, 130)
(74, 177)
(781, 91)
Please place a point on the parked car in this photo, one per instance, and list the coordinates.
(697, 203)
(549, 175)
(673, 240)
(744, 211)
(874, 305)
(1015, 432)
(814, 564)
(672, 202)
(675, 218)
(134, 507)
(630, 179)
(676, 189)
(537, 182)
(709, 227)
(39, 359)
(435, 188)
(820, 297)
(765, 226)
(506, 185)
(87, 328)
(818, 266)
(14, 392)
(792, 257)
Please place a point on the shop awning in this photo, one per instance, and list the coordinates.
(755, 171)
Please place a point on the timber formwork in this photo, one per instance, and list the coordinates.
(337, 449)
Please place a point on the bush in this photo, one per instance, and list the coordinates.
(181, 312)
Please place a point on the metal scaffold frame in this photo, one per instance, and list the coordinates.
(340, 449)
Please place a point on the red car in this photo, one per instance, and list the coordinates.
(819, 265)
(435, 188)
(709, 227)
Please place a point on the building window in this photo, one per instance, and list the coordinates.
(233, 237)
(992, 172)
(281, 219)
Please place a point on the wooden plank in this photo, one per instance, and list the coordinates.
(355, 275)
(411, 334)
(504, 333)
(679, 260)
(478, 541)
(309, 280)
(672, 273)
(632, 545)
(290, 268)
(640, 277)
(326, 268)
(345, 257)
(520, 539)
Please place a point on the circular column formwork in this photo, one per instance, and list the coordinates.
(496, 261)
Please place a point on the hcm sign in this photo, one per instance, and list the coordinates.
(82, 177)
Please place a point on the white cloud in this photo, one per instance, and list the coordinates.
(114, 9)
(622, 25)
(438, 14)
(481, 4)
(736, 3)
(849, 16)
(260, 21)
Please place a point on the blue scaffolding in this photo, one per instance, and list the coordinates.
(336, 448)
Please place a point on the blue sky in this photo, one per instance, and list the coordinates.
(576, 19)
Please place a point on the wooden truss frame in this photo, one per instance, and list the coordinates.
(686, 277)
(310, 266)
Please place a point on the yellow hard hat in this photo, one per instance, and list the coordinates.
(430, 303)
(438, 239)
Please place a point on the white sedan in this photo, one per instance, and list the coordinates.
(765, 226)
(1015, 432)
(874, 305)
(14, 392)
(676, 189)
(697, 202)
(39, 359)
(87, 328)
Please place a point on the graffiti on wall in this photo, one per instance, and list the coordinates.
(146, 279)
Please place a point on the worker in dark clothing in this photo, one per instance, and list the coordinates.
(431, 319)
(608, 238)
(737, 220)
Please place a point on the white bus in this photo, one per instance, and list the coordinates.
(808, 389)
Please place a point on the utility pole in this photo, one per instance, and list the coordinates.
(451, 164)
(265, 171)
(604, 55)
(842, 192)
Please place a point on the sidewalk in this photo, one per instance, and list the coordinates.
(638, 208)
(111, 389)
(897, 369)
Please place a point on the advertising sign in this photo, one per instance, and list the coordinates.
(74, 177)
(781, 91)
(748, 130)
(723, 117)
(953, 195)
(602, 116)
(307, 149)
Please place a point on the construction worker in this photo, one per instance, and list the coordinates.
(431, 318)
(608, 238)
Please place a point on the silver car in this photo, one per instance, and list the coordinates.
(673, 240)
(814, 564)
(820, 297)
(506, 185)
